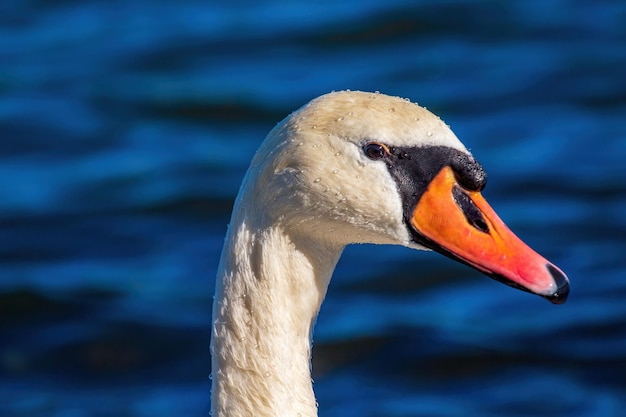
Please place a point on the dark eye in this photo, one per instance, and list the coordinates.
(375, 151)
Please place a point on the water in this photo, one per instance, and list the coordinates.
(126, 129)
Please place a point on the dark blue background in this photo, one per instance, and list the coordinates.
(126, 127)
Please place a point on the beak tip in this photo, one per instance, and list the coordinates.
(562, 285)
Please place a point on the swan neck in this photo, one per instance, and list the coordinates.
(270, 286)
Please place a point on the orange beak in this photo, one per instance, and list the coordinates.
(461, 224)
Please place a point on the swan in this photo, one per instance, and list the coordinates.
(348, 167)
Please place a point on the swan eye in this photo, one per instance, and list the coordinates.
(375, 151)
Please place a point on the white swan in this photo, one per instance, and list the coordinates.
(348, 167)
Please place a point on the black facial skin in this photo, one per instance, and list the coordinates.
(414, 168)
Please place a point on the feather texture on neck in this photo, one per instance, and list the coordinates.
(270, 291)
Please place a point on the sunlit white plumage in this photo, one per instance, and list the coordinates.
(310, 190)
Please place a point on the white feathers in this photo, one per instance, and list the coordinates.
(309, 191)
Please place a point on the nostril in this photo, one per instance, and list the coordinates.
(562, 285)
(472, 213)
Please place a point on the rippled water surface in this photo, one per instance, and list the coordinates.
(125, 130)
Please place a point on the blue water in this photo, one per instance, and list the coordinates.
(126, 127)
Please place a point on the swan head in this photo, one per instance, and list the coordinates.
(357, 167)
